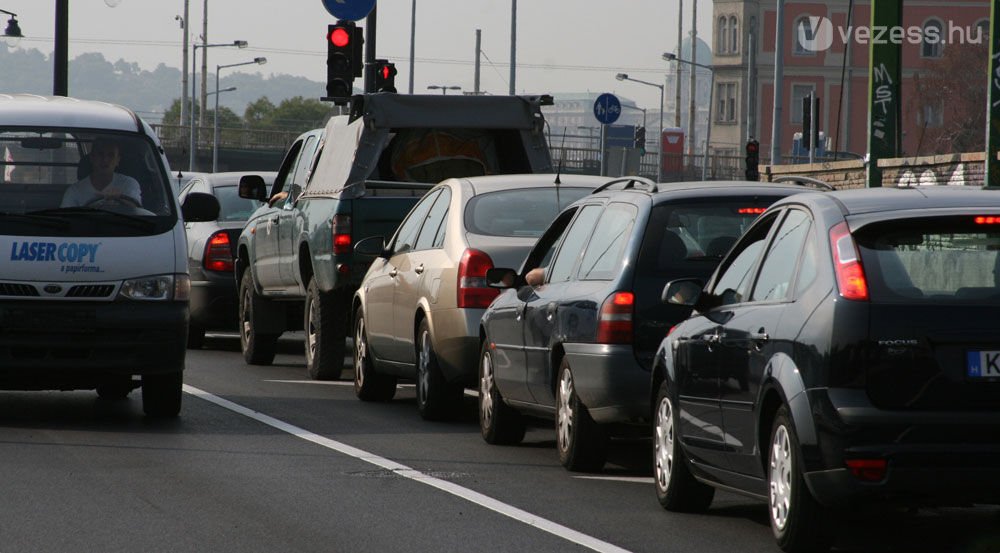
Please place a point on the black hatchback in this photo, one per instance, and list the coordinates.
(846, 352)
(579, 346)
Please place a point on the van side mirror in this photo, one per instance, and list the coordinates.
(253, 187)
(685, 291)
(199, 207)
(373, 246)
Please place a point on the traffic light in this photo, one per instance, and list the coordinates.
(753, 160)
(810, 128)
(640, 140)
(385, 76)
(344, 58)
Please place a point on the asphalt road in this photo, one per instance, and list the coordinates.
(262, 459)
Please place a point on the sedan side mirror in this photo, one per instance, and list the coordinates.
(373, 246)
(199, 207)
(685, 291)
(253, 187)
(501, 278)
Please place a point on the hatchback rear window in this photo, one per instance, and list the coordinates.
(931, 260)
(232, 207)
(518, 212)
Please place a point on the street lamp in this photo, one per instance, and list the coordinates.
(443, 88)
(12, 34)
(667, 56)
(194, 79)
(215, 124)
(659, 140)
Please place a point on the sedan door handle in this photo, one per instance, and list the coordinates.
(274, 220)
(714, 338)
(419, 269)
(393, 272)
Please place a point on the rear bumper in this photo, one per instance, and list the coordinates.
(456, 343)
(933, 458)
(214, 303)
(73, 344)
(610, 382)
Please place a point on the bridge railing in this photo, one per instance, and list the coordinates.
(179, 136)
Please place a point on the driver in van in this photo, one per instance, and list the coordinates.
(103, 183)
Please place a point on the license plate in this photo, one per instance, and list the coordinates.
(983, 365)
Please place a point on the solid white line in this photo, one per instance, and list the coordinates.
(633, 479)
(320, 382)
(469, 495)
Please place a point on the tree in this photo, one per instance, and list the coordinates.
(950, 110)
(299, 114)
(258, 112)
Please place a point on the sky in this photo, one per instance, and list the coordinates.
(562, 45)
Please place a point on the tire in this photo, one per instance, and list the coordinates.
(116, 388)
(797, 520)
(196, 336)
(161, 394)
(325, 325)
(369, 385)
(581, 442)
(499, 423)
(676, 488)
(258, 349)
(437, 399)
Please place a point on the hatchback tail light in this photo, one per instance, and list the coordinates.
(847, 264)
(869, 470)
(614, 324)
(218, 253)
(340, 226)
(472, 288)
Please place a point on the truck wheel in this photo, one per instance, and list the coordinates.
(437, 399)
(258, 349)
(369, 385)
(326, 332)
(581, 442)
(161, 394)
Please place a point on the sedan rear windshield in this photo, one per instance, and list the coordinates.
(518, 212)
(932, 260)
(232, 207)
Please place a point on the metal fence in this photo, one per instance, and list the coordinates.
(179, 136)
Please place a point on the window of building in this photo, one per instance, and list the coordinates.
(725, 106)
(804, 35)
(931, 116)
(723, 35)
(799, 93)
(933, 43)
(734, 35)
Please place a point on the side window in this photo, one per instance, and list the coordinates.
(287, 168)
(303, 165)
(733, 283)
(604, 252)
(434, 222)
(541, 254)
(778, 268)
(572, 245)
(406, 237)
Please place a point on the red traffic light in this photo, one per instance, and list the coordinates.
(752, 147)
(339, 37)
(386, 72)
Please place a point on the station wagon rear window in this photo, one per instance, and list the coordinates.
(518, 212)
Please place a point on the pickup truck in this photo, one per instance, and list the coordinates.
(359, 176)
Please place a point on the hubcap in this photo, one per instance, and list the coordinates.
(360, 354)
(486, 391)
(245, 316)
(311, 331)
(664, 443)
(565, 419)
(423, 378)
(780, 477)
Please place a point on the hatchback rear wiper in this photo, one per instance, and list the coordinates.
(46, 220)
(138, 222)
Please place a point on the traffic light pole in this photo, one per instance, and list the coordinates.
(370, 24)
(992, 177)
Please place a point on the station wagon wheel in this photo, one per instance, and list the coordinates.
(369, 385)
(676, 488)
(258, 349)
(437, 399)
(581, 443)
(797, 519)
(499, 423)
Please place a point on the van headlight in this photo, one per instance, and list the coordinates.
(157, 288)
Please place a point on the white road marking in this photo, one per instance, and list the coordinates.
(464, 493)
(633, 479)
(320, 382)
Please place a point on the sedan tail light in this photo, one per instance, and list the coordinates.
(218, 253)
(340, 227)
(472, 288)
(847, 264)
(614, 324)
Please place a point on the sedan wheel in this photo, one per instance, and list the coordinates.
(437, 399)
(369, 385)
(499, 423)
(581, 443)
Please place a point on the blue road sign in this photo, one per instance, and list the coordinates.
(350, 10)
(607, 108)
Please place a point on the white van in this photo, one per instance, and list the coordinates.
(93, 259)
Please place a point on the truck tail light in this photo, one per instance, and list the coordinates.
(847, 264)
(614, 324)
(340, 226)
(218, 253)
(472, 289)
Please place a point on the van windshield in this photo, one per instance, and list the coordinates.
(90, 182)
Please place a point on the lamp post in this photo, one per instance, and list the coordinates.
(12, 34)
(711, 98)
(443, 88)
(194, 79)
(215, 124)
(659, 134)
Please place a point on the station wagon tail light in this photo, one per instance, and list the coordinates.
(869, 470)
(218, 253)
(473, 291)
(751, 210)
(988, 220)
(847, 264)
(340, 226)
(614, 324)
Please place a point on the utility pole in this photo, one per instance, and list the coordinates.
(513, 45)
(204, 67)
(479, 49)
(60, 56)
(677, 64)
(694, 79)
(413, 41)
(370, 20)
(884, 79)
(184, 65)
(779, 70)
(751, 86)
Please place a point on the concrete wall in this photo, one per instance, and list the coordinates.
(950, 169)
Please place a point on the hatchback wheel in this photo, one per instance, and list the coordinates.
(437, 399)
(499, 423)
(676, 488)
(796, 518)
(258, 349)
(326, 332)
(582, 444)
(369, 385)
